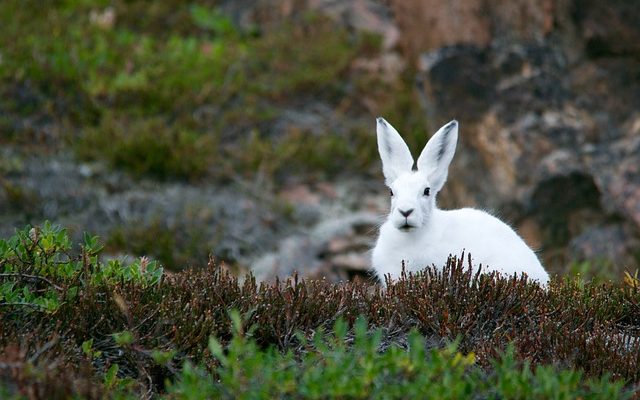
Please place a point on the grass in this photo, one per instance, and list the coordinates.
(74, 325)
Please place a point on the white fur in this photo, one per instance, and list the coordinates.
(427, 235)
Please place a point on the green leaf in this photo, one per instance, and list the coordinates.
(110, 378)
(216, 350)
(123, 338)
(212, 19)
(87, 347)
(162, 357)
(91, 244)
(236, 321)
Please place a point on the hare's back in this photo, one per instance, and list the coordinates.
(478, 225)
(492, 243)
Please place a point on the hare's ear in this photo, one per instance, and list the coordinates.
(395, 155)
(437, 155)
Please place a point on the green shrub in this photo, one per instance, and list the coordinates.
(38, 271)
(330, 368)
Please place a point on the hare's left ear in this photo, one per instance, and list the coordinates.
(394, 152)
(437, 155)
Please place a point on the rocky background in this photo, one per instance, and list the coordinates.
(547, 93)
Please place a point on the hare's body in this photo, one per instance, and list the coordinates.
(451, 232)
(418, 234)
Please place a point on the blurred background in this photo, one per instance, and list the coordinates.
(245, 129)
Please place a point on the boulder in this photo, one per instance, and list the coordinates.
(541, 138)
(607, 246)
(336, 249)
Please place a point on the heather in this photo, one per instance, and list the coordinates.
(76, 325)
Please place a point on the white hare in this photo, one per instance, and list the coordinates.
(419, 234)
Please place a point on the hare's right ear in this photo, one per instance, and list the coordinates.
(395, 155)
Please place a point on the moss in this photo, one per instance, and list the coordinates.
(326, 155)
(174, 247)
(158, 241)
(309, 57)
(17, 198)
(119, 66)
(152, 239)
(148, 146)
(167, 90)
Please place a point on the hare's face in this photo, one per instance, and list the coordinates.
(413, 192)
(411, 201)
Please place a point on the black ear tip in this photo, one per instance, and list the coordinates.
(452, 125)
(381, 120)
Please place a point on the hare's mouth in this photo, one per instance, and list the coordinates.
(406, 227)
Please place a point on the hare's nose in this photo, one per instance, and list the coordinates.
(406, 213)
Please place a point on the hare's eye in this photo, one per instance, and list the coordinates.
(426, 191)
(391, 192)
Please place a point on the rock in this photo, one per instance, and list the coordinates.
(455, 73)
(473, 22)
(617, 169)
(348, 244)
(540, 137)
(387, 66)
(351, 262)
(363, 16)
(299, 194)
(312, 117)
(230, 222)
(334, 249)
(611, 244)
(450, 23)
(609, 28)
(530, 231)
(294, 254)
